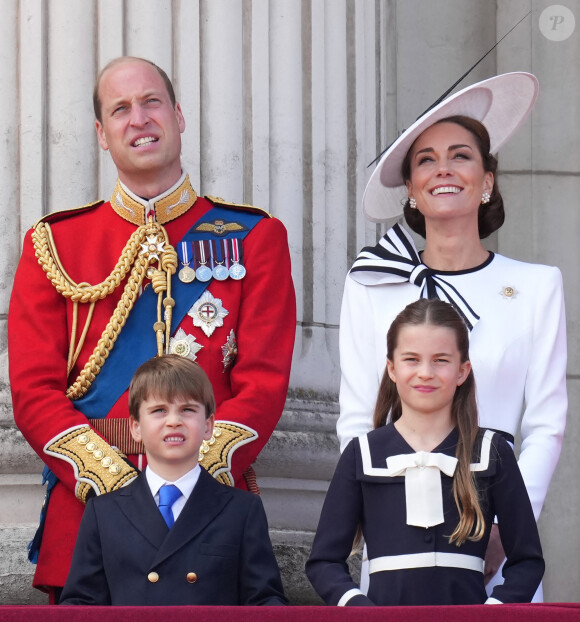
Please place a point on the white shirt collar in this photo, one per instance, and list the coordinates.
(186, 483)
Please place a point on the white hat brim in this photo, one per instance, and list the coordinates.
(501, 103)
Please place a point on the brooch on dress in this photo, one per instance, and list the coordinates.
(508, 292)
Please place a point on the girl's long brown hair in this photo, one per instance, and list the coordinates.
(463, 409)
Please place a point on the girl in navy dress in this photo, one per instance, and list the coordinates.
(425, 487)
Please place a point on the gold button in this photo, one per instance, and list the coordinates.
(91, 446)
(83, 439)
(107, 462)
(114, 469)
(509, 291)
(191, 577)
(98, 454)
(153, 577)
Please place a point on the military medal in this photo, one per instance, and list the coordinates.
(219, 271)
(229, 350)
(185, 345)
(153, 247)
(203, 272)
(186, 274)
(237, 270)
(208, 313)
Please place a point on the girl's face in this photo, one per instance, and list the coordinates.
(447, 175)
(426, 367)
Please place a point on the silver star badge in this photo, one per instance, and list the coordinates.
(208, 313)
(185, 345)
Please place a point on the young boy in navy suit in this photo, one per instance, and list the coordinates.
(217, 552)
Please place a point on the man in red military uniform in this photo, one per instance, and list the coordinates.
(156, 269)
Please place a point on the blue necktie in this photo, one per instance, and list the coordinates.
(168, 495)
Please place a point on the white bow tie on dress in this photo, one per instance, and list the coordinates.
(423, 493)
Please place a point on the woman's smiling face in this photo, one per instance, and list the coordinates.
(447, 176)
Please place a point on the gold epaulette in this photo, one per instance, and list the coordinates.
(215, 455)
(97, 466)
(67, 213)
(242, 206)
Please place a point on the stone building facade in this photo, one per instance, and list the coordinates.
(286, 103)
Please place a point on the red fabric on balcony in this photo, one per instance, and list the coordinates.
(546, 612)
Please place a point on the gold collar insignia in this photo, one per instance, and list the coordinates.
(164, 208)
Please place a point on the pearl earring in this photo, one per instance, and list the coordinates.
(412, 203)
(485, 197)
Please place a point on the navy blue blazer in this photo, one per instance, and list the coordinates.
(218, 552)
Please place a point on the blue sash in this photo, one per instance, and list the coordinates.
(134, 346)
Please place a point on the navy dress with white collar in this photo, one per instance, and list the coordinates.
(416, 565)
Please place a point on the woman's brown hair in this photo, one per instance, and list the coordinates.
(491, 216)
(463, 409)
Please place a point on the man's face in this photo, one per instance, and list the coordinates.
(140, 127)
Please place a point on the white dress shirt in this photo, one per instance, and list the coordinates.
(186, 483)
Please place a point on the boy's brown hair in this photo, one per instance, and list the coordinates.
(170, 377)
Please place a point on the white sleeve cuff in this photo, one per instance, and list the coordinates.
(493, 601)
(347, 596)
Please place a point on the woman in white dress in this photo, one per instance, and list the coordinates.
(442, 171)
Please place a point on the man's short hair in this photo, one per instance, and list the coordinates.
(119, 61)
(170, 377)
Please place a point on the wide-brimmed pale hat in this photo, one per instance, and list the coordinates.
(501, 103)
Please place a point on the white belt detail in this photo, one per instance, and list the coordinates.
(347, 596)
(423, 494)
(425, 560)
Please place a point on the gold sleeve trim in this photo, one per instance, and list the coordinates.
(215, 455)
(96, 464)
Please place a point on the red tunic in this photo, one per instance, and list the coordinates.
(252, 391)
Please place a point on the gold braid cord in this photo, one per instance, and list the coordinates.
(97, 465)
(215, 455)
(147, 253)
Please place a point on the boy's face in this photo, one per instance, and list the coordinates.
(172, 433)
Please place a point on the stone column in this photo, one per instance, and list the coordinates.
(540, 177)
